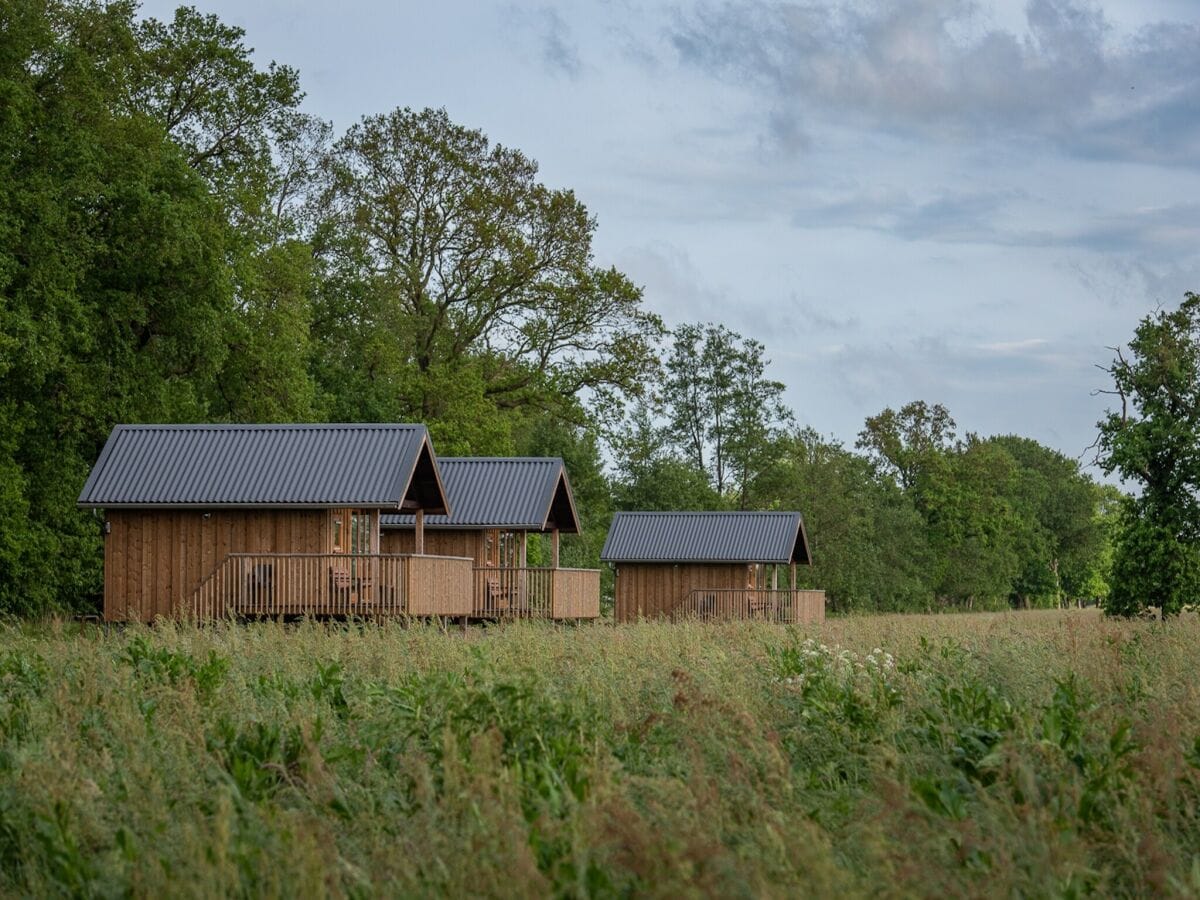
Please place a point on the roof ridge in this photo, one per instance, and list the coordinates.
(260, 426)
(707, 512)
(547, 459)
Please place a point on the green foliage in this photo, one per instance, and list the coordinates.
(869, 546)
(455, 287)
(651, 474)
(1154, 442)
(173, 667)
(113, 282)
(1151, 566)
(721, 410)
(179, 242)
(940, 755)
(903, 444)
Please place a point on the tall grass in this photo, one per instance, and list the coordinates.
(1048, 754)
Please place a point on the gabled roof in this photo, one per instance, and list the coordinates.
(706, 537)
(519, 493)
(367, 466)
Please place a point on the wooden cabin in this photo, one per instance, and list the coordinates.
(205, 520)
(710, 565)
(497, 503)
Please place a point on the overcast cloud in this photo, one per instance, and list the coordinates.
(937, 199)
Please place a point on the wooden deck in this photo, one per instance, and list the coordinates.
(336, 584)
(790, 606)
(536, 593)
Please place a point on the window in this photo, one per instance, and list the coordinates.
(360, 532)
(352, 531)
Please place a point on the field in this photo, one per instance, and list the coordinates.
(1044, 754)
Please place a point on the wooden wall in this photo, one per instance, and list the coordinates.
(650, 591)
(154, 560)
(438, 542)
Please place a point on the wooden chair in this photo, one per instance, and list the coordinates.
(260, 584)
(340, 586)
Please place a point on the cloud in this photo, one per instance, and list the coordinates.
(1004, 218)
(1120, 282)
(1034, 386)
(1166, 231)
(1014, 348)
(559, 50)
(808, 316)
(937, 67)
(786, 135)
(952, 217)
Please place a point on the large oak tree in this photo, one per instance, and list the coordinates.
(457, 286)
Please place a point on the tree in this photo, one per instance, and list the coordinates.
(1059, 534)
(114, 290)
(868, 541)
(902, 444)
(972, 526)
(723, 413)
(143, 275)
(651, 475)
(1153, 441)
(457, 288)
(196, 77)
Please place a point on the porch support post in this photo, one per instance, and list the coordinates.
(775, 577)
(793, 574)
(554, 549)
(419, 533)
(523, 576)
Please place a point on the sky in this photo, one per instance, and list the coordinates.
(964, 203)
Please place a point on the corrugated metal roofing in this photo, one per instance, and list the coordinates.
(706, 537)
(255, 465)
(496, 492)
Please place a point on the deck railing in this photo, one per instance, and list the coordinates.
(347, 584)
(792, 606)
(536, 593)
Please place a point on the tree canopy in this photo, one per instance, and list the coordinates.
(454, 282)
(1153, 441)
(180, 241)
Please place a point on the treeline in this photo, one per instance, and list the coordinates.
(179, 241)
(911, 518)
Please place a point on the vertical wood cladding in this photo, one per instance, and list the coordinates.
(447, 542)
(154, 560)
(651, 590)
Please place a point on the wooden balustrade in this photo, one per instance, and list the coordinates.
(792, 606)
(576, 594)
(439, 585)
(335, 584)
(536, 593)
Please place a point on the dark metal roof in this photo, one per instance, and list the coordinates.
(521, 493)
(373, 466)
(706, 537)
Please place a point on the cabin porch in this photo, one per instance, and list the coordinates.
(789, 605)
(527, 592)
(336, 584)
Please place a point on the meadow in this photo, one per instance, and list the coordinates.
(1033, 753)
